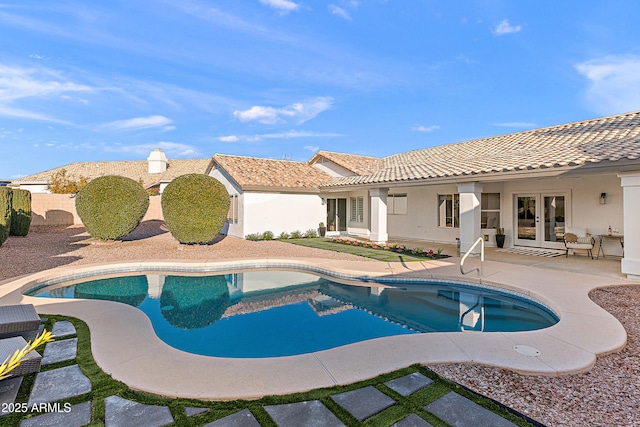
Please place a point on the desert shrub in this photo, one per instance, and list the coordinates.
(20, 212)
(254, 237)
(195, 208)
(6, 195)
(267, 235)
(296, 234)
(61, 183)
(311, 234)
(112, 206)
(283, 236)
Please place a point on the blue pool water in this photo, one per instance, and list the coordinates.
(283, 313)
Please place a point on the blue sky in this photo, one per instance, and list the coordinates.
(94, 81)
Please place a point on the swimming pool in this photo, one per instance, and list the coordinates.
(257, 314)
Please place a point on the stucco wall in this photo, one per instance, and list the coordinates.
(282, 212)
(60, 209)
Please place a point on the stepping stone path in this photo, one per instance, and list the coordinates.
(311, 413)
(63, 329)
(409, 384)
(242, 418)
(119, 412)
(59, 384)
(8, 392)
(76, 416)
(462, 412)
(60, 351)
(62, 383)
(363, 403)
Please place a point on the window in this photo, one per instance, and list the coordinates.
(397, 204)
(449, 210)
(232, 215)
(490, 210)
(357, 209)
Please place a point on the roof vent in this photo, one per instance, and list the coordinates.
(157, 161)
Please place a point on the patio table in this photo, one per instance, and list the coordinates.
(602, 237)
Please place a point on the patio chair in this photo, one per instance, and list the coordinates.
(28, 365)
(19, 320)
(578, 239)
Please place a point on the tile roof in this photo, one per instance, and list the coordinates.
(131, 169)
(609, 138)
(359, 165)
(253, 173)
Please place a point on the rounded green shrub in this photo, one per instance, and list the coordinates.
(112, 206)
(195, 208)
(20, 212)
(6, 195)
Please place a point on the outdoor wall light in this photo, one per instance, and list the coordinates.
(603, 198)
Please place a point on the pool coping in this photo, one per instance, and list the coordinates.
(125, 346)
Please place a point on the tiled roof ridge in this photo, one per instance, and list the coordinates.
(347, 154)
(257, 158)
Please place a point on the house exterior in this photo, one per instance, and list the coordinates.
(270, 195)
(533, 184)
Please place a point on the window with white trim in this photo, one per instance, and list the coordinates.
(357, 209)
(490, 210)
(397, 204)
(449, 210)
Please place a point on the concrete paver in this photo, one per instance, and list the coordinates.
(309, 414)
(8, 392)
(462, 412)
(60, 351)
(192, 412)
(242, 418)
(409, 384)
(77, 416)
(119, 412)
(63, 328)
(412, 421)
(364, 402)
(59, 384)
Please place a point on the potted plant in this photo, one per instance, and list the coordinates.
(500, 237)
(322, 230)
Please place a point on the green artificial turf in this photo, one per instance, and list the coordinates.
(377, 254)
(103, 386)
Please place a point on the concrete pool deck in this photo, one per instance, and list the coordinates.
(125, 346)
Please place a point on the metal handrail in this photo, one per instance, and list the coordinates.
(468, 252)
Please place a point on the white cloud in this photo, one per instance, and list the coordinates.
(504, 27)
(526, 125)
(338, 11)
(421, 128)
(229, 138)
(281, 5)
(140, 123)
(298, 113)
(172, 149)
(23, 84)
(613, 83)
(311, 148)
(279, 135)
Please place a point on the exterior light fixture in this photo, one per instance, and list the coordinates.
(603, 198)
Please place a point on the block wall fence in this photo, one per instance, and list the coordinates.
(60, 209)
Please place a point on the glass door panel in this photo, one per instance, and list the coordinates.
(336, 214)
(554, 217)
(342, 215)
(526, 220)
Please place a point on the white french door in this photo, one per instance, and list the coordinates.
(540, 219)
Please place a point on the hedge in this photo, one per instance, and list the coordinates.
(112, 206)
(20, 212)
(6, 195)
(195, 208)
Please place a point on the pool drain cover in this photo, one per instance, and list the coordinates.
(526, 350)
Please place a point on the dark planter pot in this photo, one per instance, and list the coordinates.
(500, 240)
(322, 231)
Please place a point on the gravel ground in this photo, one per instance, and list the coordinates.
(608, 395)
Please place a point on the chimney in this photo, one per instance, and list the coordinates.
(157, 161)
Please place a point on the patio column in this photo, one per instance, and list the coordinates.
(470, 195)
(630, 182)
(379, 214)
